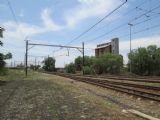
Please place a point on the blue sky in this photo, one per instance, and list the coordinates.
(60, 21)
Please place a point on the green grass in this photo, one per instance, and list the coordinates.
(56, 96)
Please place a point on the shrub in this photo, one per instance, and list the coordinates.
(3, 71)
(108, 63)
(145, 61)
(79, 62)
(70, 68)
(49, 64)
(88, 70)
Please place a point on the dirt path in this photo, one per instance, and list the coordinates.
(46, 97)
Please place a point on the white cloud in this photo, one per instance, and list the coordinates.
(124, 46)
(48, 21)
(20, 31)
(25, 29)
(16, 31)
(87, 9)
(140, 42)
(15, 34)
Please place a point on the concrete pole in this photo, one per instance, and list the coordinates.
(130, 25)
(26, 57)
(83, 57)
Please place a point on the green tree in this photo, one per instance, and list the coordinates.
(2, 62)
(3, 56)
(35, 67)
(98, 66)
(70, 68)
(49, 64)
(108, 63)
(139, 61)
(1, 35)
(157, 62)
(88, 70)
(145, 61)
(79, 62)
(151, 59)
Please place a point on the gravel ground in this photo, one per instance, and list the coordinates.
(49, 97)
(123, 100)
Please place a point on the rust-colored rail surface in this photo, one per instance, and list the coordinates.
(144, 91)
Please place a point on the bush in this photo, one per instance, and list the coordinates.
(79, 62)
(108, 63)
(3, 57)
(70, 68)
(98, 65)
(88, 70)
(3, 71)
(49, 64)
(145, 61)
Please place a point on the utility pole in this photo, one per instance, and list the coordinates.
(35, 63)
(61, 46)
(26, 69)
(48, 63)
(130, 25)
(14, 64)
(11, 64)
(83, 57)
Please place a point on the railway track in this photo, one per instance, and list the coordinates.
(134, 79)
(149, 80)
(144, 91)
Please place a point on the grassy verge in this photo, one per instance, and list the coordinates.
(43, 96)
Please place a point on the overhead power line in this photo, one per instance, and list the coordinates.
(131, 10)
(14, 15)
(144, 2)
(141, 9)
(142, 30)
(149, 19)
(86, 31)
(12, 11)
(122, 25)
(144, 14)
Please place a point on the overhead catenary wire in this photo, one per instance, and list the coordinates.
(139, 5)
(141, 9)
(148, 19)
(86, 31)
(36, 56)
(142, 30)
(144, 14)
(116, 28)
(12, 11)
(142, 3)
(14, 16)
(122, 25)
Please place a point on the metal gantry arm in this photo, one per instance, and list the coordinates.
(61, 46)
(81, 49)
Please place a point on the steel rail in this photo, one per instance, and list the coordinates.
(121, 88)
